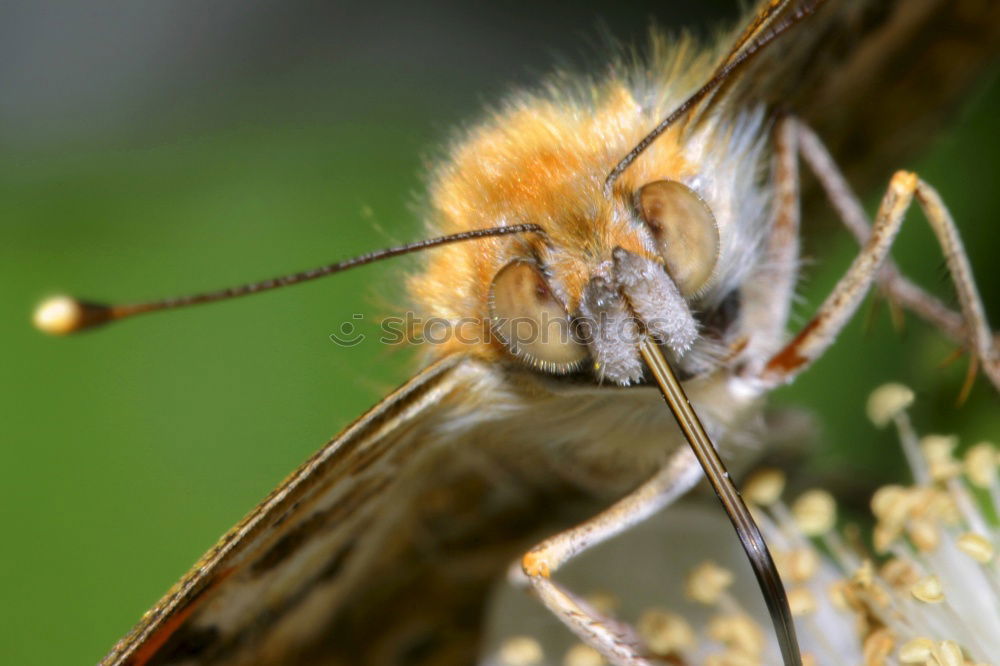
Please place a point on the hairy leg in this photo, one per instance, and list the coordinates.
(895, 285)
(843, 301)
(767, 297)
(614, 640)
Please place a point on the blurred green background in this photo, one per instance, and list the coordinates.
(160, 148)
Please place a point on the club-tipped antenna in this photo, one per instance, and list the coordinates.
(61, 315)
(746, 529)
(720, 77)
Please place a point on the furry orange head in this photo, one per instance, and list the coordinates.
(544, 160)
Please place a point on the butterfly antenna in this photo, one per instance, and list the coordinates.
(750, 537)
(720, 76)
(61, 315)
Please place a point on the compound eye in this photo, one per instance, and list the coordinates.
(684, 230)
(531, 321)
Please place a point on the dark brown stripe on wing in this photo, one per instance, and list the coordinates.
(287, 545)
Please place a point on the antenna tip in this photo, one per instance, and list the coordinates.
(62, 315)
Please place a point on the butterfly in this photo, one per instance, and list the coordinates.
(380, 549)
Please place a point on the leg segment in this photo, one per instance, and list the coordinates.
(896, 285)
(841, 304)
(768, 296)
(612, 639)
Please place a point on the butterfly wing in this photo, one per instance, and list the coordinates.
(339, 563)
(898, 71)
(875, 78)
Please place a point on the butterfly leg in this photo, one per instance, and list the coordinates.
(614, 640)
(846, 296)
(896, 285)
(768, 295)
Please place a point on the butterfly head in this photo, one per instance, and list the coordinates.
(646, 259)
